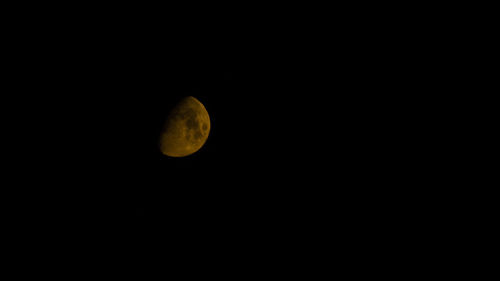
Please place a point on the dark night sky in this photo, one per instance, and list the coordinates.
(304, 135)
(287, 142)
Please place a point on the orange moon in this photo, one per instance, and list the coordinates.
(186, 128)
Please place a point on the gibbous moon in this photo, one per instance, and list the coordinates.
(186, 128)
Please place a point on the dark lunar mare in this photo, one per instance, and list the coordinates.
(192, 124)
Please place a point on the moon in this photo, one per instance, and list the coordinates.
(186, 128)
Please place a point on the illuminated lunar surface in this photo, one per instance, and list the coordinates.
(186, 128)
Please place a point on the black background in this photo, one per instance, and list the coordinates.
(309, 134)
